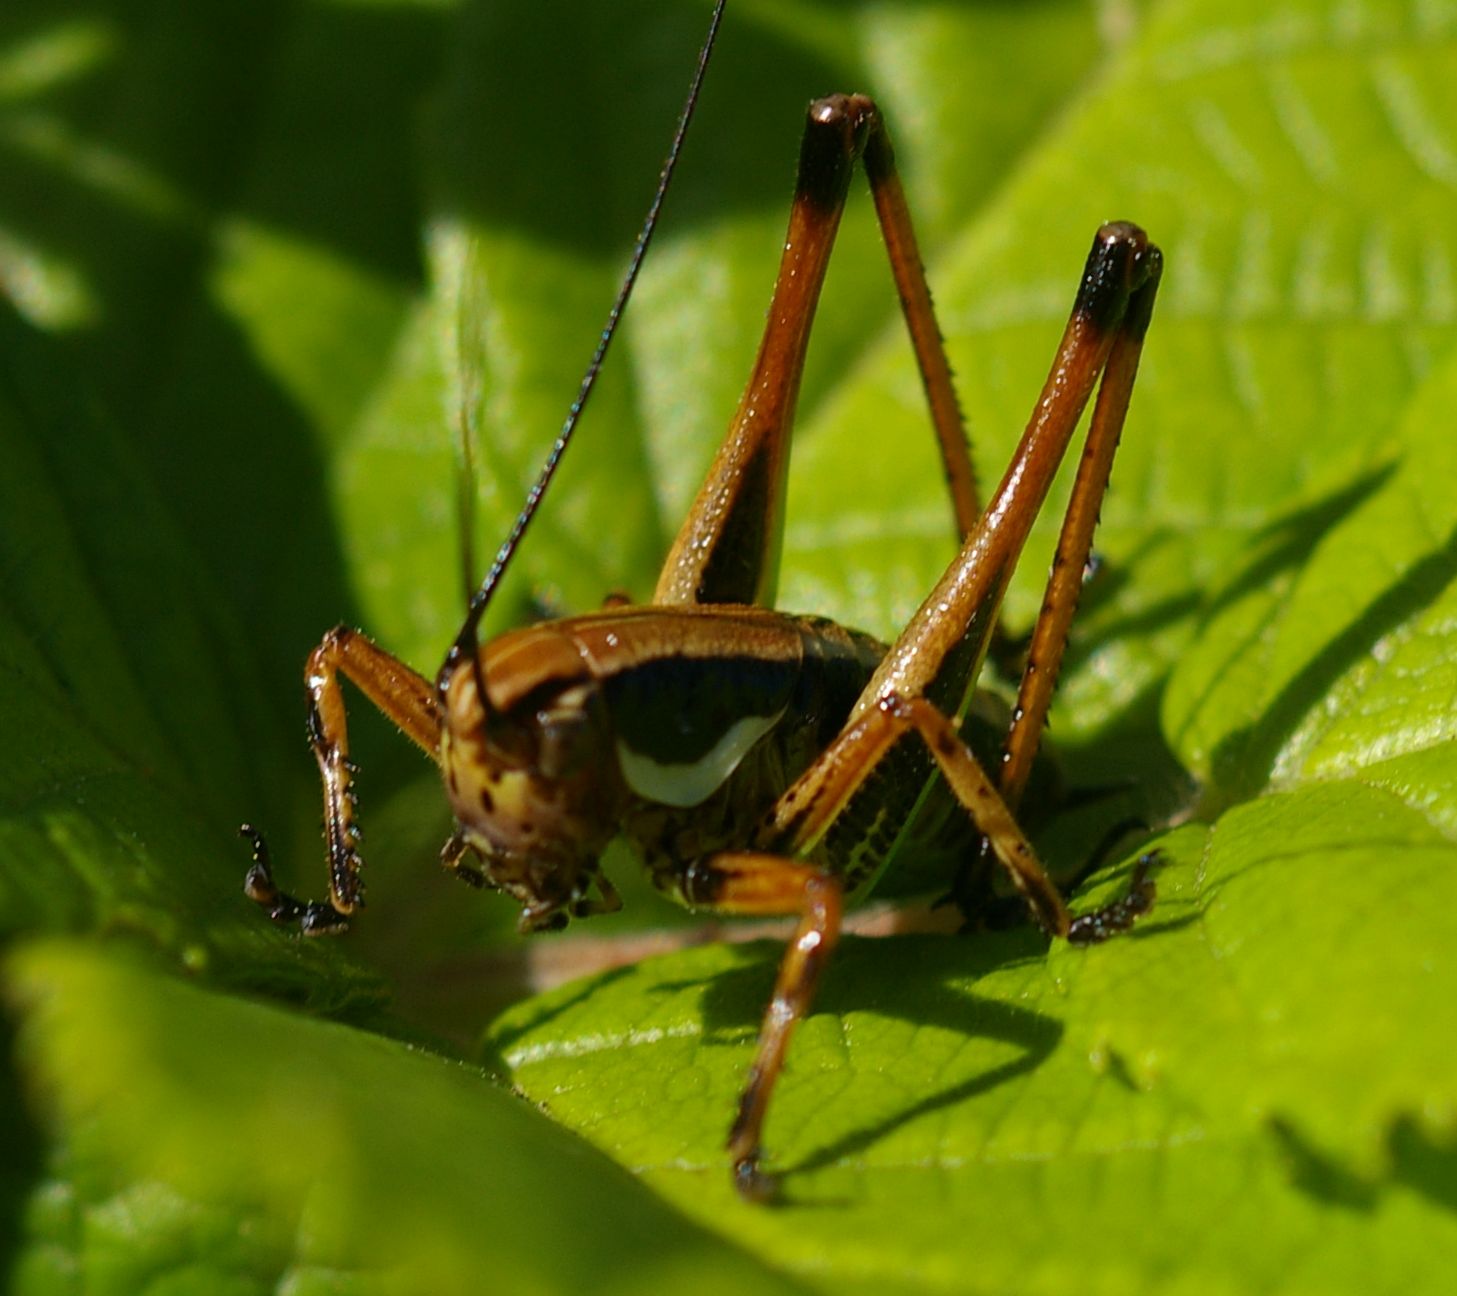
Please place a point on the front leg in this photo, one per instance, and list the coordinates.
(314, 917)
(405, 697)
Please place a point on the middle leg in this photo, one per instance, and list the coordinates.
(754, 884)
(782, 879)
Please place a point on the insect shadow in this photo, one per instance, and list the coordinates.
(931, 987)
(1422, 1163)
(1253, 750)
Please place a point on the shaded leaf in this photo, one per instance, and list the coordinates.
(229, 1146)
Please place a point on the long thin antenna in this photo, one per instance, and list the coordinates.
(465, 642)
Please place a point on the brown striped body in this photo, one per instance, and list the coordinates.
(616, 722)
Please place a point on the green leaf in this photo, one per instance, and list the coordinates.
(1176, 1110)
(216, 1145)
(239, 240)
(1345, 662)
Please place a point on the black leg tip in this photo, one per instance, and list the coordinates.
(258, 886)
(322, 920)
(258, 883)
(1121, 262)
(833, 139)
(313, 918)
(752, 1183)
(1120, 915)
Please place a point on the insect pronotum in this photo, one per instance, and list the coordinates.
(760, 762)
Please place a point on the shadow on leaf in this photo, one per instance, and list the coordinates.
(922, 980)
(1421, 1163)
(1246, 759)
(1320, 1176)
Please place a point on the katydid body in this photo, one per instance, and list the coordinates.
(763, 763)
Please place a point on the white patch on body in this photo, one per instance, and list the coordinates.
(693, 783)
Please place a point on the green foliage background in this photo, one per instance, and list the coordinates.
(256, 256)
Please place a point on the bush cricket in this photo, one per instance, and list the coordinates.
(761, 763)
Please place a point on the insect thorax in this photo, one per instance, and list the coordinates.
(678, 728)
